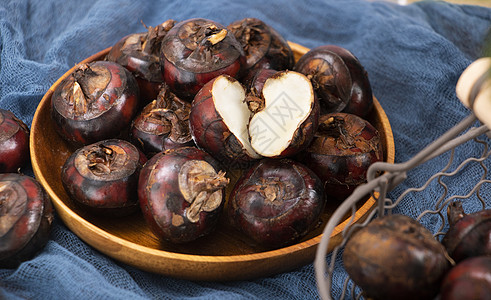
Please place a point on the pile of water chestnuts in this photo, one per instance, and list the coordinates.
(158, 125)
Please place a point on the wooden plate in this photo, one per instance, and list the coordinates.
(224, 255)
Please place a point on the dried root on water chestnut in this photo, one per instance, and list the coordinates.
(96, 102)
(14, 142)
(194, 52)
(276, 202)
(469, 234)
(163, 124)
(182, 193)
(26, 215)
(343, 149)
(140, 54)
(264, 47)
(395, 257)
(102, 178)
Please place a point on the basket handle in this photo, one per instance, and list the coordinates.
(474, 89)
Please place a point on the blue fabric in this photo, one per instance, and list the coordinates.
(413, 54)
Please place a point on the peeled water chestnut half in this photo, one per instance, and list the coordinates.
(343, 149)
(14, 142)
(97, 101)
(276, 202)
(26, 216)
(469, 234)
(163, 124)
(283, 123)
(140, 54)
(194, 52)
(264, 47)
(470, 279)
(395, 257)
(182, 193)
(102, 178)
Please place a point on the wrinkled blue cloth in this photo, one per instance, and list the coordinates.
(414, 56)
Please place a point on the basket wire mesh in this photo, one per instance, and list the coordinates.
(468, 131)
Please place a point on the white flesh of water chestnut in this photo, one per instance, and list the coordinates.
(288, 102)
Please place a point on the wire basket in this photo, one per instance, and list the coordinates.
(434, 192)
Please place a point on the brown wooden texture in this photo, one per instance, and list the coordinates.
(222, 256)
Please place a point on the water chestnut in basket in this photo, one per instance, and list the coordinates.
(26, 217)
(14, 142)
(194, 52)
(140, 54)
(264, 47)
(470, 279)
(182, 193)
(222, 121)
(102, 178)
(395, 257)
(95, 102)
(469, 234)
(163, 124)
(276, 202)
(343, 149)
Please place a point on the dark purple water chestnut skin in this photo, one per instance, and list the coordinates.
(343, 149)
(96, 102)
(361, 100)
(276, 202)
(26, 215)
(182, 193)
(140, 54)
(470, 279)
(14, 142)
(330, 78)
(195, 51)
(469, 234)
(264, 47)
(102, 178)
(162, 124)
